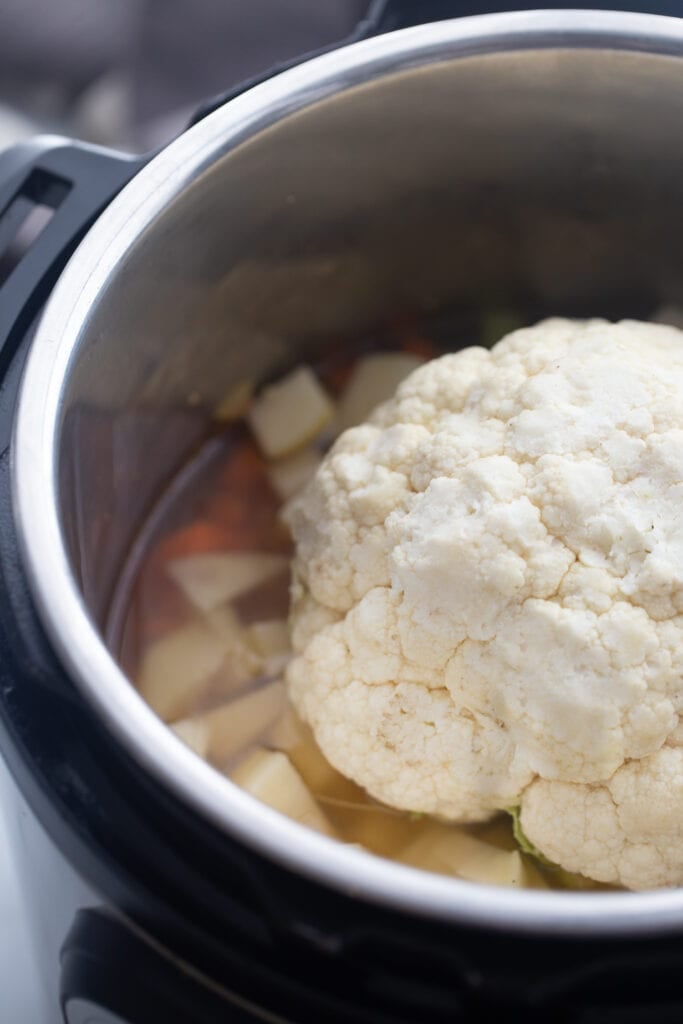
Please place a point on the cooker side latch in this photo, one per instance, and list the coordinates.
(51, 190)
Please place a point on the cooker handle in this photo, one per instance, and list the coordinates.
(380, 16)
(51, 190)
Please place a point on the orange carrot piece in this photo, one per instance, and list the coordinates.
(419, 346)
(197, 538)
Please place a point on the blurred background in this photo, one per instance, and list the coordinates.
(129, 73)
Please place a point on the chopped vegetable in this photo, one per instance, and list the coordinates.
(213, 578)
(270, 640)
(290, 735)
(216, 678)
(270, 776)
(194, 734)
(289, 476)
(203, 535)
(222, 733)
(178, 670)
(418, 345)
(243, 501)
(235, 403)
(374, 380)
(269, 637)
(289, 414)
(452, 851)
(354, 816)
(226, 622)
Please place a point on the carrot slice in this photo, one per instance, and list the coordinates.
(197, 538)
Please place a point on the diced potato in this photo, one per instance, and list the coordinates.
(496, 832)
(353, 815)
(242, 661)
(269, 637)
(289, 476)
(532, 878)
(289, 414)
(270, 776)
(213, 578)
(177, 669)
(235, 403)
(194, 733)
(226, 623)
(452, 851)
(379, 829)
(270, 640)
(669, 314)
(296, 739)
(288, 732)
(223, 733)
(290, 735)
(211, 656)
(374, 380)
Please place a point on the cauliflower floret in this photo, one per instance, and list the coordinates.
(629, 830)
(488, 589)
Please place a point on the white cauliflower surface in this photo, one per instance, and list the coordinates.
(488, 595)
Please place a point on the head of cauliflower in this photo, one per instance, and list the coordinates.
(488, 595)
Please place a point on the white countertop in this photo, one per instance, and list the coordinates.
(18, 988)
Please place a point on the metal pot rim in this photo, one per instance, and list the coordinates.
(34, 456)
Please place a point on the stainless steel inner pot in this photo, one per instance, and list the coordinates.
(529, 160)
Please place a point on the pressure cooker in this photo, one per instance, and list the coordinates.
(532, 158)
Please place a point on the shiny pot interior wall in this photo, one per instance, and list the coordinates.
(547, 181)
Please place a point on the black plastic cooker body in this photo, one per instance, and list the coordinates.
(140, 910)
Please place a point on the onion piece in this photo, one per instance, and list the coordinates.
(373, 381)
(214, 578)
(270, 776)
(289, 414)
(226, 731)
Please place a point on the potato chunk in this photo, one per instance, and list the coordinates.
(235, 402)
(221, 734)
(290, 413)
(178, 670)
(270, 776)
(213, 578)
(289, 476)
(374, 380)
(450, 850)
